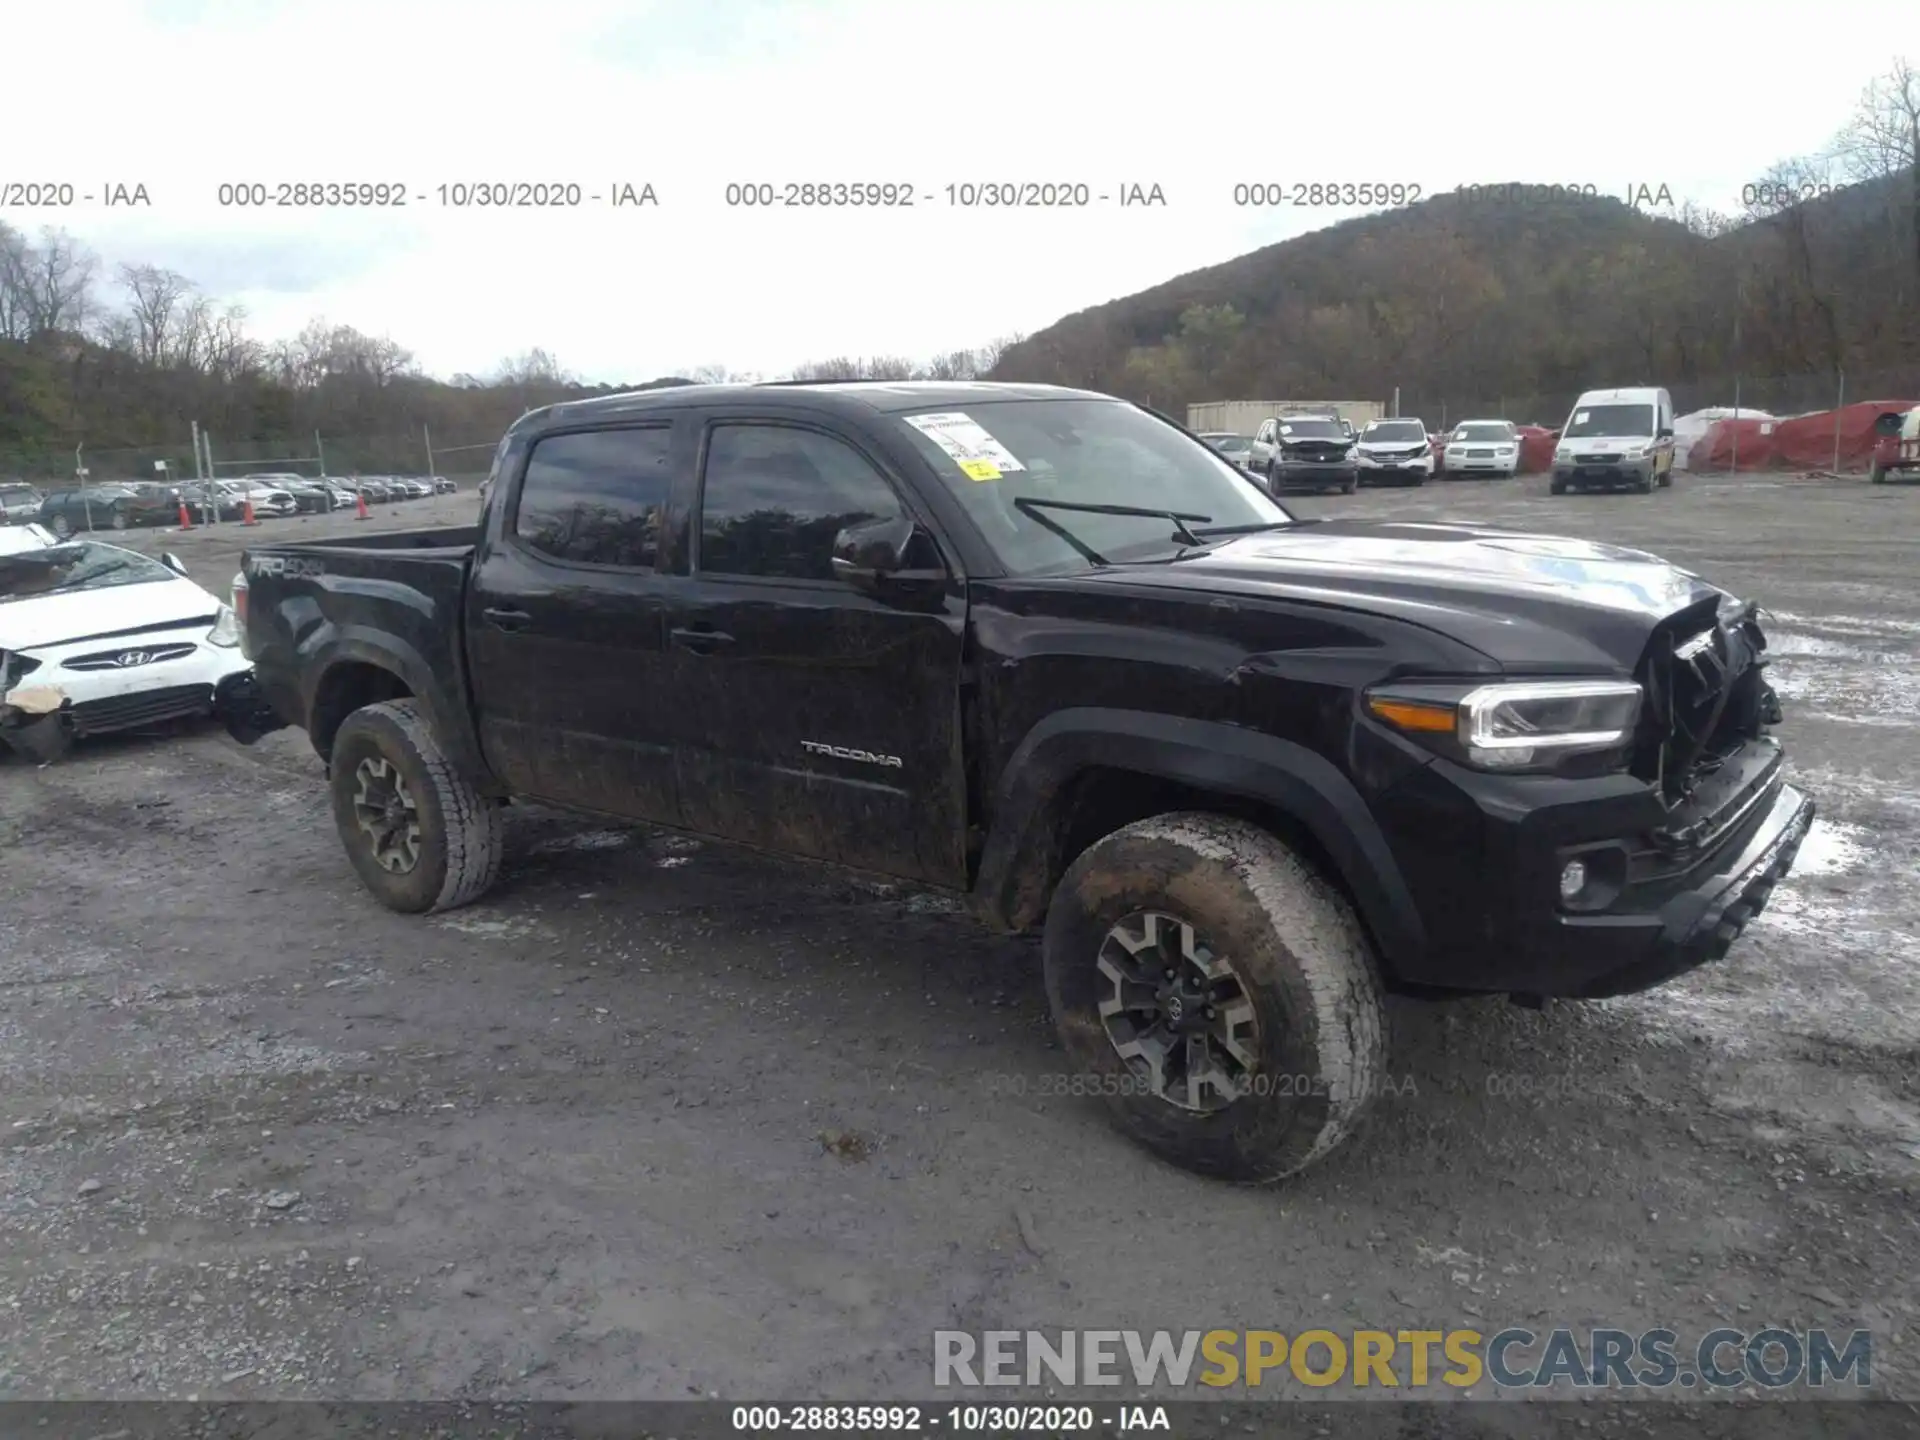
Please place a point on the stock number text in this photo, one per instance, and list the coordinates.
(313, 194)
(813, 194)
(1781, 193)
(1270, 193)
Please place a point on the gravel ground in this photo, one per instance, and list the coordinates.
(659, 1120)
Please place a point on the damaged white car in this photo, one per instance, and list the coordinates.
(95, 639)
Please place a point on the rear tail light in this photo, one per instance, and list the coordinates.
(239, 599)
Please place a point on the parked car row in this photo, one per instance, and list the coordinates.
(1612, 439)
(124, 505)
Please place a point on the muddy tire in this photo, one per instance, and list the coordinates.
(43, 740)
(1290, 1046)
(418, 834)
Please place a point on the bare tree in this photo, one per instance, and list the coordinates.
(531, 367)
(841, 367)
(59, 282)
(16, 263)
(1882, 142)
(157, 297)
(1779, 203)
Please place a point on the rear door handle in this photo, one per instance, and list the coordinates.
(507, 619)
(700, 639)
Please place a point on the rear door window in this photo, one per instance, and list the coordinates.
(597, 497)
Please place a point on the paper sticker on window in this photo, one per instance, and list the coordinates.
(1286, 429)
(966, 440)
(980, 469)
(1579, 417)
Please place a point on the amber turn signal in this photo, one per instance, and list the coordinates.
(1412, 715)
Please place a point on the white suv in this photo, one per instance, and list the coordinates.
(1395, 452)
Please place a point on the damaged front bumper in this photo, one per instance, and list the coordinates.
(240, 707)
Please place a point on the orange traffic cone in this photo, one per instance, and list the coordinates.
(246, 511)
(360, 506)
(186, 520)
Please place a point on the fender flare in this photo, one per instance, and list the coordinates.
(1011, 889)
(357, 645)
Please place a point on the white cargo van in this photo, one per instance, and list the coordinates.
(1616, 438)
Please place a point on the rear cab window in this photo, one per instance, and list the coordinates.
(597, 497)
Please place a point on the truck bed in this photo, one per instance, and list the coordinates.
(391, 600)
(449, 537)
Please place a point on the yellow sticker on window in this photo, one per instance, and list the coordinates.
(980, 469)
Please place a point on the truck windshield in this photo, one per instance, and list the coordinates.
(1081, 452)
(83, 565)
(1634, 420)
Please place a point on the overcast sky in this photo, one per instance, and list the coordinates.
(689, 95)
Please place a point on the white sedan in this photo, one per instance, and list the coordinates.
(94, 638)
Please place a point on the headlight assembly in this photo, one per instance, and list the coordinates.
(1518, 725)
(226, 630)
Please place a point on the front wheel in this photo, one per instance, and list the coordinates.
(418, 834)
(42, 740)
(1877, 476)
(1217, 994)
(120, 520)
(62, 527)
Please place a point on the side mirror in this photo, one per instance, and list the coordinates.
(882, 554)
(172, 562)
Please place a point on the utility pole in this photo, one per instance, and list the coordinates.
(320, 454)
(200, 474)
(213, 481)
(427, 437)
(1838, 406)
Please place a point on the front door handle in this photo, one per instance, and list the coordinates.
(508, 620)
(700, 639)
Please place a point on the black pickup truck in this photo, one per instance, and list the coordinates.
(1042, 648)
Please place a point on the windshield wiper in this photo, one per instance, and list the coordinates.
(1253, 529)
(1029, 506)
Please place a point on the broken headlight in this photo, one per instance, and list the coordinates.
(226, 630)
(1520, 725)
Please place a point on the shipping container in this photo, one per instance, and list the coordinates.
(1243, 417)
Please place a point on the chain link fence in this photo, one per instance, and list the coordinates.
(460, 458)
(467, 457)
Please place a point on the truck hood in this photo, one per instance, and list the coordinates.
(103, 611)
(1540, 601)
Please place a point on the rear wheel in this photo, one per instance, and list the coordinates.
(1217, 994)
(418, 834)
